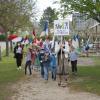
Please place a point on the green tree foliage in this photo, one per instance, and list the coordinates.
(15, 14)
(2, 37)
(50, 15)
(89, 7)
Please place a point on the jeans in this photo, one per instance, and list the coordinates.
(42, 69)
(53, 72)
(45, 72)
(28, 64)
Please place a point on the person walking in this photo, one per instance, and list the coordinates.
(15, 49)
(19, 56)
(33, 56)
(62, 57)
(28, 61)
(46, 64)
(73, 58)
(41, 59)
(53, 65)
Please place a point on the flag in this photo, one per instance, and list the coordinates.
(46, 28)
(42, 34)
(75, 41)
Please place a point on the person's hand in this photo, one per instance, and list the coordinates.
(61, 46)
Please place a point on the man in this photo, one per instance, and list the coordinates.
(62, 55)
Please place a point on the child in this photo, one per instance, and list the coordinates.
(28, 61)
(73, 59)
(33, 56)
(46, 64)
(41, 59)
(53, 65)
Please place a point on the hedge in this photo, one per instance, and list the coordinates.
(2, 37)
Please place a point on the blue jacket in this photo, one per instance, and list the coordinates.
(53, 60)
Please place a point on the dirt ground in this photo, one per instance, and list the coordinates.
(35, 88)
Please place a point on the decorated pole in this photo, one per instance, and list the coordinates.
(61, 46)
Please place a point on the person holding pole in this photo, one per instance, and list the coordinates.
(62, 63)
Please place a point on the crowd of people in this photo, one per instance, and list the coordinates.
(53, 56)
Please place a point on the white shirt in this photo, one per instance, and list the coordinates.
(19, 50)
(28, 56)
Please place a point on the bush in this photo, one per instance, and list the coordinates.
(2, 37)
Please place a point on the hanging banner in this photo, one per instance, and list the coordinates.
(61, 27)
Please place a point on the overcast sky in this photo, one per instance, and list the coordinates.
(43, 4)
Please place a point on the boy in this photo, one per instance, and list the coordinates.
(53, 65)
(46, 64)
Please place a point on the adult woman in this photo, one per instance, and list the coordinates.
(19, 56)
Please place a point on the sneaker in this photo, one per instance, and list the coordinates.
(20, 67)
(66, 79)
(59, 84)
(45, 81)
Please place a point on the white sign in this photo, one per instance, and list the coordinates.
(61, 27)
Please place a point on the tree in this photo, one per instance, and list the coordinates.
(15, 14)
(91, 8)
(50, 15)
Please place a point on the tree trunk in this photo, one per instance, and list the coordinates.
(7, 47)
(0, 54)
(11, 47)
(7, 44)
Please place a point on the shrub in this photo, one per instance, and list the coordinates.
(2, 37)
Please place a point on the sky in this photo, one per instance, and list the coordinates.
(43, 4)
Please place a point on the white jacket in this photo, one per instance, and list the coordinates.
(66, 49)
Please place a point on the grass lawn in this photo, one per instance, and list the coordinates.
(88, 78)
(8, 76)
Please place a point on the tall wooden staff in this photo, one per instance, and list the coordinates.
(61, 47)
